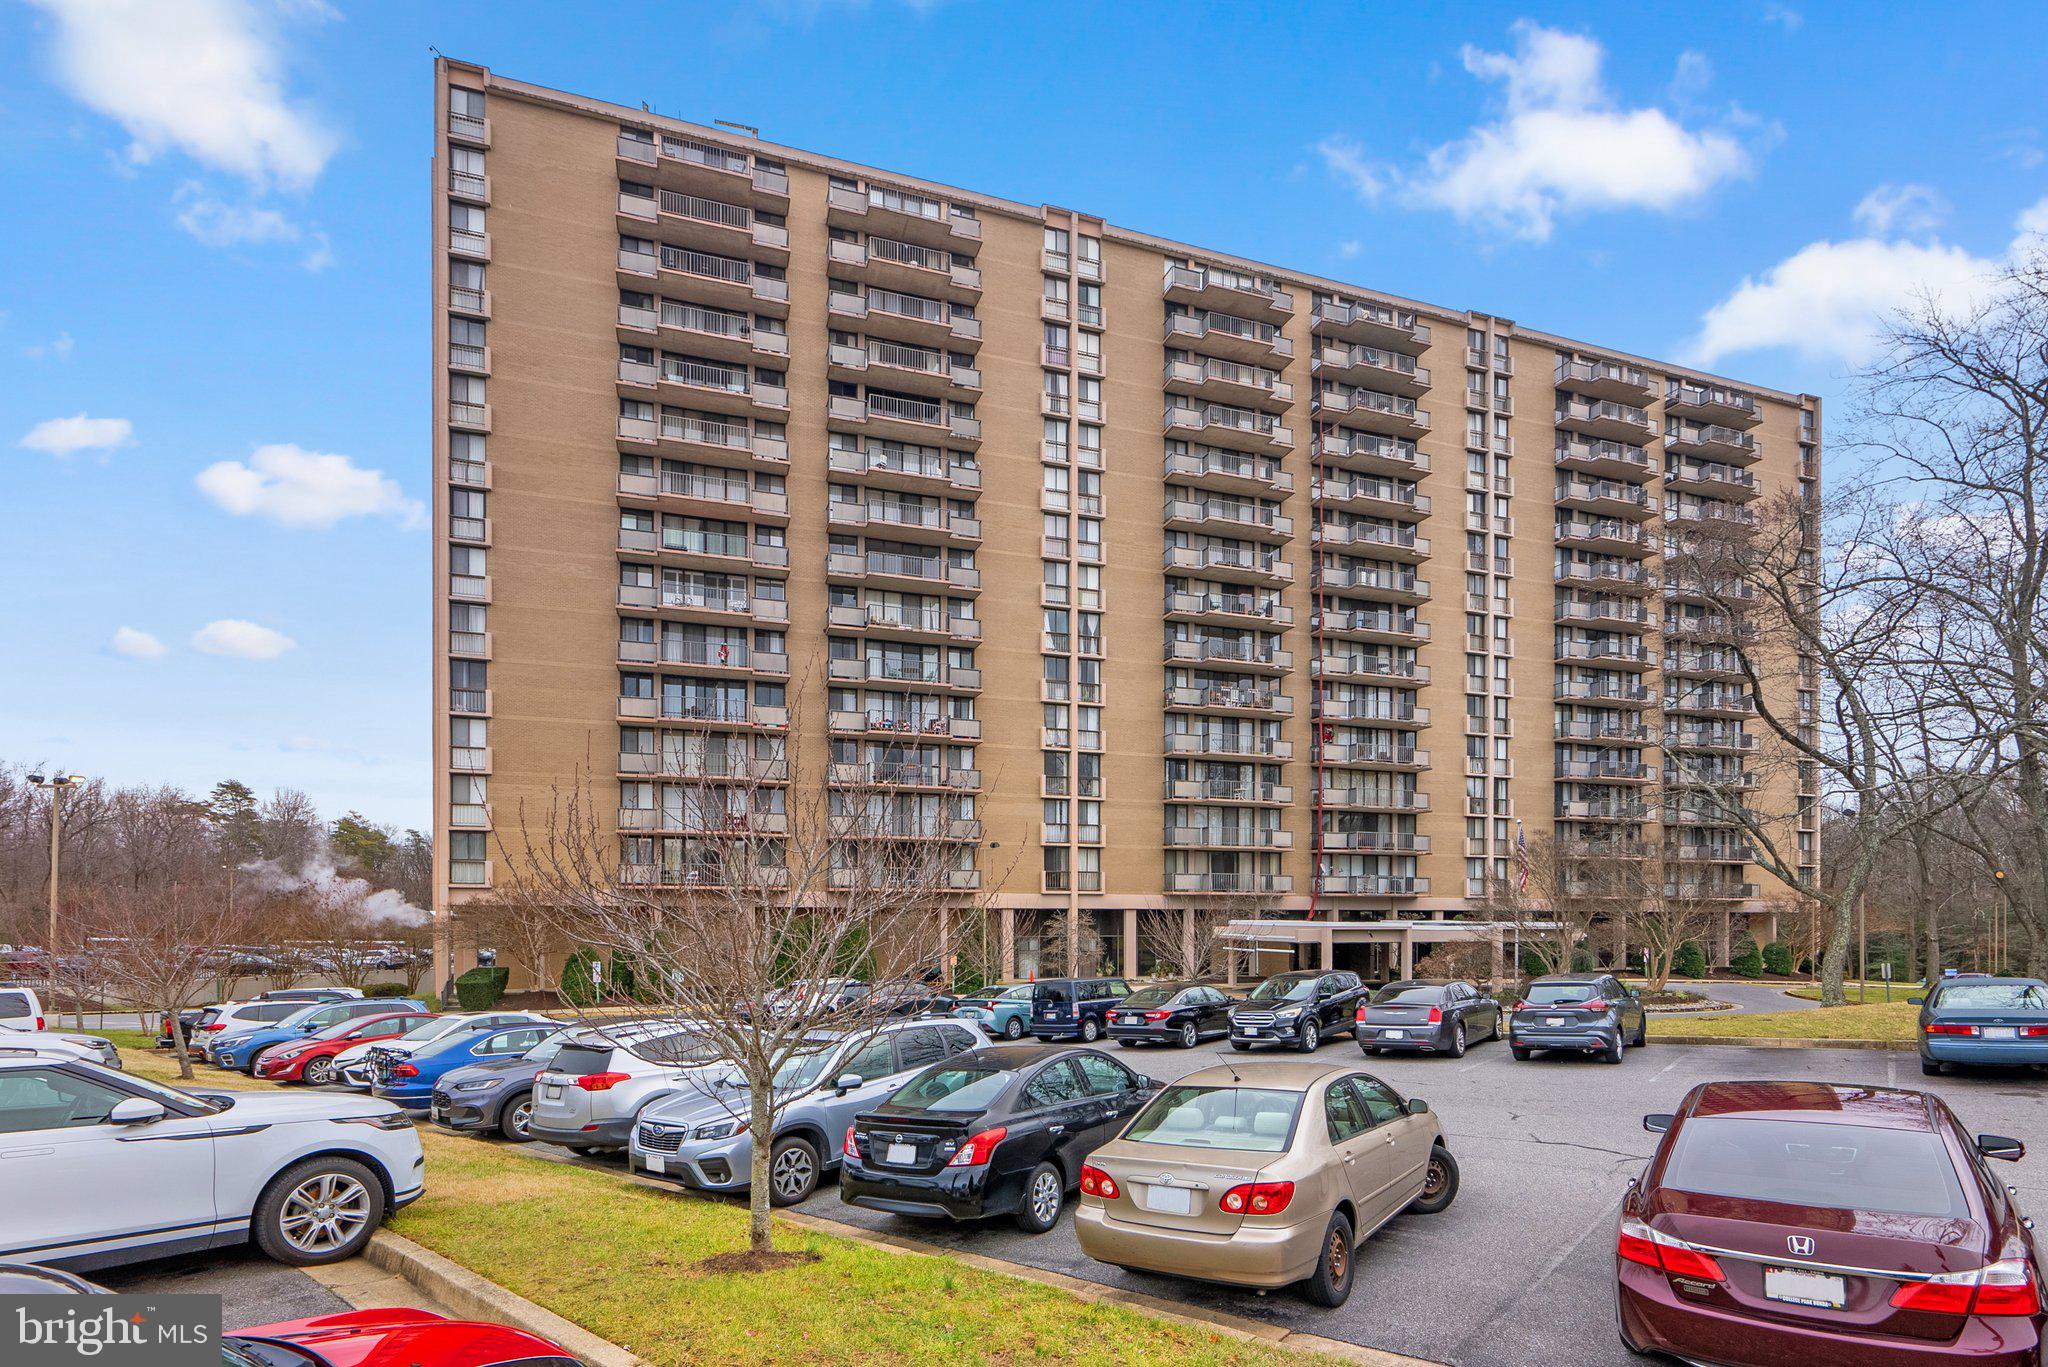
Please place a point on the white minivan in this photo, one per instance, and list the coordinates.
(20, 1009)
(99, 1168)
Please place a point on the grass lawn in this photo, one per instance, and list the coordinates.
(1861, 992)
(140, 1056)
(622, 1261)
(1875, 1021)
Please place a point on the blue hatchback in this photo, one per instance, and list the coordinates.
(240, 1051)
(408, 1080)
(1978, 1018)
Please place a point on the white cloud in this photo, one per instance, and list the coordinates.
(299, 488)
(137, 645)
(320, 256)
(219, 224)
(1563, 145)
(201, 77)
(1788, 19)
(67, 436)
(241, 640)
(1826, 301)
(59, 346)
(1693, 74)
(1350, 249)
(1900, 208)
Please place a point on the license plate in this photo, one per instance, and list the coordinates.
(902, 1155)
(654, 1162)
(1394, 1034)
(551, 1092)
(1796, 1287)
(1553, 1020)
(1169, 1200)
(2001, 1032)
(1251, 1029)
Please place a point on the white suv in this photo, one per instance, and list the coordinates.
(99, 1168)
(19, 1009)
(594, 1088)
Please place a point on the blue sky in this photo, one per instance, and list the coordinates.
(213, 380)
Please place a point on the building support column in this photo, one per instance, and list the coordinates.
(1130, 956)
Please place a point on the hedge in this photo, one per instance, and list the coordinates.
(1778, 958)
(1690, 961)
(578, 987)
(481, 988)
(1746, 962)
(380, 990)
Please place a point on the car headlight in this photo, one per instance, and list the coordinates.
(1287, 1014)
(719, 1129)
(395, 1120)
(481, 1085)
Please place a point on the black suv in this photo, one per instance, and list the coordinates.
(1074, 1008)
(1302, 1009)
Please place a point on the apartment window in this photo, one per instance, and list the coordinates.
(1475, 340)
(468, 858)
(1090, 310)
(1056, 291)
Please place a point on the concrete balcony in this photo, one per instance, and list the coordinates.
(1614, 380)
(1710, 441)
(1369, 452)
(1606, 420)
(1380, 325)
(1720, 404)
(1372, 367)
(1228, 291)
(904, 217)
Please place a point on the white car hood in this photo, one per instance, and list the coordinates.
(356, 1053)
(282, 1108)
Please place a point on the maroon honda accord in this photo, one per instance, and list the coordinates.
(1805, 1224)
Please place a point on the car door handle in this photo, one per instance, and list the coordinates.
(1055, 1129)
(25, 1153)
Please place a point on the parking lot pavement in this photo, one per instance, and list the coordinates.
(1519, 1270)
(252, 1288)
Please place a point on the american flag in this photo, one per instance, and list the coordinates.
(1521, 859)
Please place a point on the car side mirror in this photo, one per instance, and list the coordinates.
(2001, 1146)
(136, 1110)
(846, 1082)
(1417, 1106)
(1659, 1122)
(1916, 1001)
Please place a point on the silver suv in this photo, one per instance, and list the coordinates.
(595, 1086)
(698, 1136)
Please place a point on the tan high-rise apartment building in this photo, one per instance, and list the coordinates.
(1155, 580)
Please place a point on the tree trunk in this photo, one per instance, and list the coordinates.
(178, 1046)
(760, 1238)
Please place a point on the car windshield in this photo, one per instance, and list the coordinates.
(803, 1070)
(1808, 1163)
(1993, 997)
(956, 1087)
(344, 1028)
(1408, 994)
(1254, 1119)
(1152, 996)
(443, 1044)
(545, 1051)
(425, 1025)
(1019, 992)
(1285, 989)
(244, 1352)
(1549, 994)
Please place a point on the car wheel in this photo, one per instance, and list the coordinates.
(1642, 1032)
(1614, 1054)
(1127, 1044)
(1311, 1036)
(1372, 1049)
(792, 1171)
(515, 1120)
(1013, 1028)
(1044, 1194)
(1090, 1031)
(1458, 1040)
(1439, 1182)
(318, 1072)
(1240, 1046)
(1931, 1067)
(1330, 1283)
(1187, 1035)
(320, 1211)
(1521, 1054)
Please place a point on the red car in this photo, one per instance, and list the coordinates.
(1807, 1224)
(311, 1060)
(388, 1338)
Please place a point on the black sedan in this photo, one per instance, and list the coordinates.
(1430, 1018)
(1170, 1013)
(496, 1094)
(996, 1131)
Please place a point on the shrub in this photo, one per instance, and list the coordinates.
(1582, 960)
(1746, 962)
(1778, 958)
(381, 990)
(1690, 961)
(578, 986)
(481, 988)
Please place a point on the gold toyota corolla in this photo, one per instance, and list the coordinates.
(1263, 1176)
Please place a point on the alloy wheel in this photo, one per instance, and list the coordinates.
(792, 1169)
(520, 1117)
(1045, 1197)
(1187, 1035)
(320, 1072)
(324, 1212)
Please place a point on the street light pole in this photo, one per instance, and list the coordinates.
(1998, 919)
(55, 783)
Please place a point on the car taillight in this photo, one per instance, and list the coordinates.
(404, 1070)
(2034, 1031)
(213, 1027)
(1157, 1015)
(979, 1149)
(1525, 1006)
(1258, 1198)
(1436, 1015)
(1638, 1243)
(602, 1082)
(1359, 1014)
(2001, 1288)
(39, 1024)
(850, 1149)
(1591, 1004)
(1096, 1182)
(1945, 1028)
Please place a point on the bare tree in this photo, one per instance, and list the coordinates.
(1185, 942)
(740, 892)
(1673, 910)
(1573, 886)
(156, 941)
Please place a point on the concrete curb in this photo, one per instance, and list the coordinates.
(1757, 1043)
(467, 1293)
(1233, 1326)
